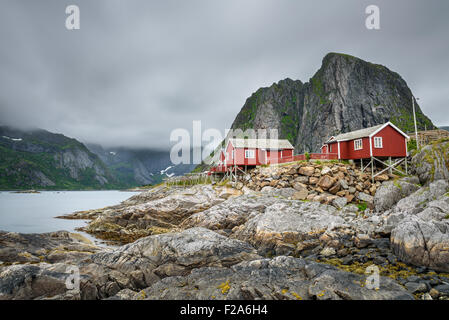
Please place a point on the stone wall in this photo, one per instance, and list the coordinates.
(327, 182)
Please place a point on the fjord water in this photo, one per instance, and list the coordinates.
(36, 212)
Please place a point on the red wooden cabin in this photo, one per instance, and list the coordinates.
(381, 141)
(253, 152)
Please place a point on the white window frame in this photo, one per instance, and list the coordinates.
(358, 144)
(378, 143)
(329, 149)
(233, 154)
(250, 154)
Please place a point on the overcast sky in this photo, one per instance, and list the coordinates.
(138, 69)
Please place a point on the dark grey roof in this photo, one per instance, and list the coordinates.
(366, 132)
(274, 144)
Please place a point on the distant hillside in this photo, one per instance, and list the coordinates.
(445, 128)
(139, 166)
(40, 159)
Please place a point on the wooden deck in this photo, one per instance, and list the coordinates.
(426, 137)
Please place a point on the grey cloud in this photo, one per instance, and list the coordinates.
(138, 69)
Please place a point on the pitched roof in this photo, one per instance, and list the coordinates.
(362, 133)
(274, 144)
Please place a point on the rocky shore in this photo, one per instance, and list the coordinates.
(294, 238)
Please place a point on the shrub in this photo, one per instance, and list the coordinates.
(362, 206)
(307, 156)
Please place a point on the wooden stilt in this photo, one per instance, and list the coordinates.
(406, 170)
(389, 166)
(389, 162)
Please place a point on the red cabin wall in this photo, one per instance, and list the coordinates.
(332, 148)
(274, 156)
(347, 149)
(394, 143)
(324, 149)
(287, 153)
(242, 161)
(228, 154)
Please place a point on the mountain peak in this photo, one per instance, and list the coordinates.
(345, 94)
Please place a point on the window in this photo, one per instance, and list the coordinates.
(281, 153)
(330, 148)
(233, 154)
(249, 154)
(378, 143)
(358, 145)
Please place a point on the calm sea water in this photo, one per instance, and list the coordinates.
(35, 213)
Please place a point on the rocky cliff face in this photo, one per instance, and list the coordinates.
(139, 166)
(41, 159)
(345, 94)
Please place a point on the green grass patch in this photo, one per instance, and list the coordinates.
(362, 206)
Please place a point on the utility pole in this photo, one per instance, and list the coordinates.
(414, 119)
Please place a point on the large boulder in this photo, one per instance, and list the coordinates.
(283, 225)
(278, 278)
(432, 162)
(326, 182)
(61, 246)
(422, 243)
(390, 192)
(139, 264)
(231, 213)
(130, 222)
(417, 201)
(42, 281)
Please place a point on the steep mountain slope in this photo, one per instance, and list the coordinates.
(41, 159)
(345, 94)
(139, 166)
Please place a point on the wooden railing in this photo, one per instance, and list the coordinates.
(302, 157)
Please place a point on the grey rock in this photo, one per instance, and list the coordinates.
(287, 192)
(339, 202)
(141, 263)
(431, 163)
(389, 193)
(300, 194)
(417, 201)
(278, 278)
(230, 213)
(443, 289)
(415, 287)
(61, 246)
(344, 184)
(285, 223)
(42, 281)
(422, 243)
(365, 197)
(161, 213)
